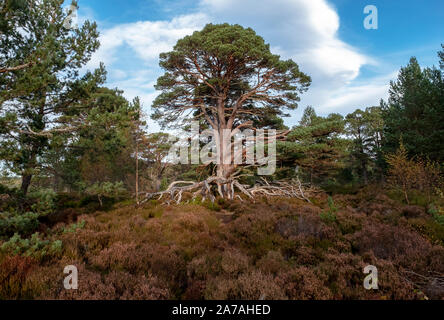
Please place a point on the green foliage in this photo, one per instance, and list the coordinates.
(44, 201)
(105, 189)
(333, 186)
(432, 229)
(213, 206)
(439, 218)
(314, 147)
(243, 58)
(42, 80)
(365, 129)
(25, 223)
(437, 214)
(102, 150)
(15, 222)
(33, 247)
(415, 112)
(155, 148)
(154, 212)
(72, 228)
(329, 216)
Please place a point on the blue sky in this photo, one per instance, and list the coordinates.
(350, 66)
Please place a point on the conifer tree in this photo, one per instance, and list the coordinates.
(41, 88)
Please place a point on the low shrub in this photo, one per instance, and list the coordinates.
(44, 201)
(301, 283)
(14, 271)
(15, 222)
(115, 285)
(33, 247)
(74, 227)
(329, 216)
(253, 285)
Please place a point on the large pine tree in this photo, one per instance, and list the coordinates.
(226, 77)
(415, 111)
(40, 86)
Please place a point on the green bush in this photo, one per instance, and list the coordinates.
(74, 227)
(44, 201)
(33, 247)
(105, 189)
(436, 214)
(330, 215)
(14, 222)
(213, 206)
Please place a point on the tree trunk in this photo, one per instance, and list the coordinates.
(225, 165)
(26, 182)
(224, 171)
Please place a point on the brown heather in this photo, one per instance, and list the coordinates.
(274, 249)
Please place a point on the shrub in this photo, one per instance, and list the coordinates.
(255, 233)
(234, 262)
(302, 283)
(248, 286)
(330, 215)
(395, 243)
(408, 175)
(430, 228)
(213, 206)
(74, 227)
(122, 256)
(116, 285)
(105, 189)
(25, 223)
(44, 201)
(13, 275)
(272, 263)
(437, 214)
(33, 247)
(14, 222)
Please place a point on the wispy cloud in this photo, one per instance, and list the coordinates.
(304, 30)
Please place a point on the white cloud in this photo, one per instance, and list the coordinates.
(304, 30)
(147, 38)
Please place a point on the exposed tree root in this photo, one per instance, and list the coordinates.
(420, 280)
(225, 188)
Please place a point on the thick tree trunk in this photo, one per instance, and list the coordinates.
(224, 172)
(27, 172)
(225, 165)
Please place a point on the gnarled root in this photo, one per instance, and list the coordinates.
(225, 188)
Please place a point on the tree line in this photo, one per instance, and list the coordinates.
(65, 130)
